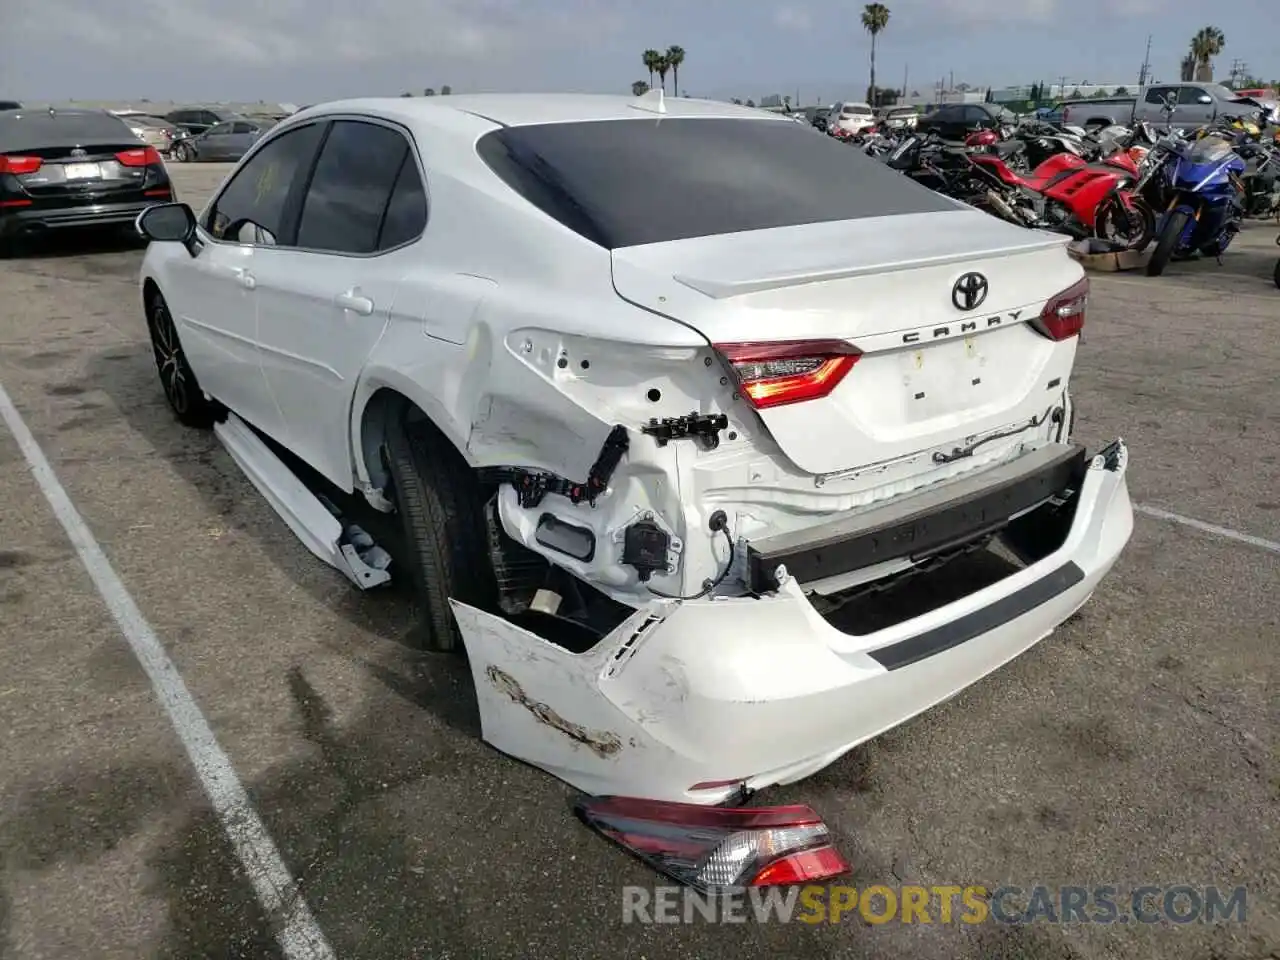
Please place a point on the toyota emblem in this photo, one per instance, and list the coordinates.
(969, 292)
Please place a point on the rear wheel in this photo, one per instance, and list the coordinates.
(1134, 226)
(441, 508)
(1168, 243)
(181, 388)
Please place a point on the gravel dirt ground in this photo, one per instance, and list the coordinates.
(1138, 744)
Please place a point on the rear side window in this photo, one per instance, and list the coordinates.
(25, 130)
(1156, 95)
(350, 187)
(621, 183)
(406, 215)
(258, 194)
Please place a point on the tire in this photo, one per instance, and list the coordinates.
(441, 508)
(181, 388)
(1168, 242)
(183, 153)
(1140, 227)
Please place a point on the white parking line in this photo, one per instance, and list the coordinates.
(299, 935)
(1213, 528)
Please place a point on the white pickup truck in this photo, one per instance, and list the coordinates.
(1195, 104)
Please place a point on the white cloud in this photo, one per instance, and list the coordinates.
(792, 18)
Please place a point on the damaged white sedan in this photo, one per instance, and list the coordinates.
(667, 397)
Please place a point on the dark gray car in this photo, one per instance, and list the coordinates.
(229, 140)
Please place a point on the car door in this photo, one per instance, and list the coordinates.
(1195, 106)
(241, 138)
(216, 143)
(325, 299)
(212, 294)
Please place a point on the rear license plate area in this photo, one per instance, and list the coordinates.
(82, 171)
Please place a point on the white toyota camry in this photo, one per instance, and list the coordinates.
(668, 396)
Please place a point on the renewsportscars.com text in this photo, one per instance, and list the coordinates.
(945, 904)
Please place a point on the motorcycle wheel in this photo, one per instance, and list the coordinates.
(1135, 227)
(1168, 242)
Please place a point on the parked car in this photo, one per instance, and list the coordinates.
(512, 375)
(955, 121)
(68, 169)
(849, 118)
(10, 105)
(229, 140)
(901, 118)
(818, 117)
(1197, 105)
(197, 120)
(154, 131)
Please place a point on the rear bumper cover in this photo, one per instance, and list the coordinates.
(762, 691)
(18, 220)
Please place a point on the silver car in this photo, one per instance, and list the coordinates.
(229, 140)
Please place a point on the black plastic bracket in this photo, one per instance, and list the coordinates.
(532, 486)
(702, 426)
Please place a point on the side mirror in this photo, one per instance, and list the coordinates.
(1204, 98)
(168, 223)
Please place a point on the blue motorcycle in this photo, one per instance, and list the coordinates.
(1205, 207)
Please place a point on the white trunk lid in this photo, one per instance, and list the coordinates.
(931, 375)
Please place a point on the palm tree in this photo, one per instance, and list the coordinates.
(639, 88)
(675, 57)
(1205, 45)
(662, 66)
(875, 17)
(650, 59)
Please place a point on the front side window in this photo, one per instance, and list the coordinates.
(259, 192)
(621, 183)
(1190, 95)
(219, 130)
(350, 187)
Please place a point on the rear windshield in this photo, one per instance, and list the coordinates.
(26, 130)
(856, 108)
(621, 183)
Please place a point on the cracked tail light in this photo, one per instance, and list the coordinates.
(142, 157)
(714, 849)
(16, 164)
(1063, 316)
(788, 371)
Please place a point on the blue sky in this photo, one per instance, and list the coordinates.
(302, 50)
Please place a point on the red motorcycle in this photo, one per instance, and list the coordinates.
(1065, 193)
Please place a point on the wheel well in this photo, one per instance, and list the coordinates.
(150, 290)
(385, 410)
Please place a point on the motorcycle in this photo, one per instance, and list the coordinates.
(1261, 179)
(1067, 194)
(1205, 209)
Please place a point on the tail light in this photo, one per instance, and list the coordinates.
(788, 371)
(13, 164)
(1063, 316)
(714, 849)
(141, 157)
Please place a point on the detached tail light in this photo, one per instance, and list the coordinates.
(141, 157)
(788, 371)
(1063, 316)
(16, 164)
(714, 849)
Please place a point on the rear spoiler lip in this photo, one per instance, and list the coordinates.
(722, 289)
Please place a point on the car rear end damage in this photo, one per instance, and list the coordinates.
(694, 701)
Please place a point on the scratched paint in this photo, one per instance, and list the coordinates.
(601, 742)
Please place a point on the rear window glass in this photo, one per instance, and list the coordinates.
(24, 130)
(622, 183)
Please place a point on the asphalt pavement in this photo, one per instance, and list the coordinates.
(1138, 744)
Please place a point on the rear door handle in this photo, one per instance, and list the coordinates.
(353, 301)
(246, 278)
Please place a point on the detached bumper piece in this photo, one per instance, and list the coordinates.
(916, 527)
(718, 849)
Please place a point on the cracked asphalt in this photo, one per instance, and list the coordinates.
(1138, 744)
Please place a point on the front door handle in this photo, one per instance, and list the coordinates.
(246, 278)
(353, 301)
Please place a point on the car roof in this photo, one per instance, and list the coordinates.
(522, 109)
